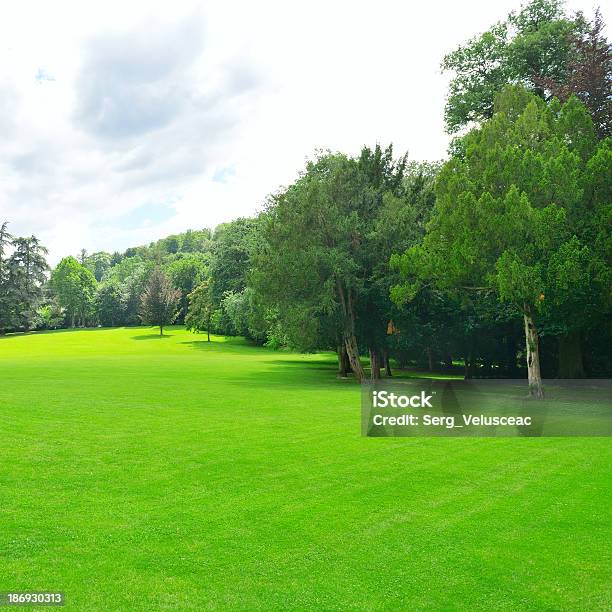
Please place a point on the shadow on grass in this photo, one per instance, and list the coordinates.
(310, 364)
(44, 332)
(152, 337)
(310, 375)
(235, 348)
(306, 381)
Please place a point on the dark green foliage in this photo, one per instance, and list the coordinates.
(26, 275)
(187, 271)
(588, 75)
(326, 244)
(7, 320)
(514, 215)
(111, 301)
(159, 301)
(131, 275)
(232, 248)
(530, 46)
(22, 278)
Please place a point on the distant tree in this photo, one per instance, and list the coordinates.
(116, 258)
(27, 268)
(82, 258)
(529, 46)
(172, 244)
(589, 74)
(49, 315)
(196, 241)
(201, 308)
(187, 272)
(159, 301)
(75, 288)
(6, 304)
(132, 273)
(252, 319)
(99, 263)
(233, 245)
(110, 303)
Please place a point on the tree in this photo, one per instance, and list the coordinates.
(110, 303)
(400, 222)
(323, 241)
(27, 269)
(506, 209)
(589, 74)
(75, 288)
(531, 45)
(187, 272)
(6, 304)
(233, 245)
(197, 241)
(99, 263)
(49, 315)
(159, 301)
(201, 308)
(252, 319)
(132, 274)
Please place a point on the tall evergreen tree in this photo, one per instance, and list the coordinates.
(6, 305)
(159, 301)
(325, 240)
(509, 218)
(27, 274)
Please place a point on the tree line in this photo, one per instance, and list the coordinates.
(495, 261)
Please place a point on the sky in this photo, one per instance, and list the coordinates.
(124, 122)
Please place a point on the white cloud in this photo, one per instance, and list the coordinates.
(199, 111)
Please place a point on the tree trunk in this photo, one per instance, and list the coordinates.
(387, 363)
(350, 343)
(534, 377)
(348, 333)
(343, 361)
(570, 356)
(374, 364)
(430, 359)
(161, 330)
(468, 359)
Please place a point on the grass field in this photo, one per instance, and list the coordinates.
(142, 473)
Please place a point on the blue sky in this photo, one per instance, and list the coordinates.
(123, 122)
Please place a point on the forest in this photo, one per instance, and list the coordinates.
(494, 262)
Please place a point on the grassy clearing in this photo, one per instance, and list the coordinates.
(139, 473)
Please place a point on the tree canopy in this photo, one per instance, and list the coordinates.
(510, 218)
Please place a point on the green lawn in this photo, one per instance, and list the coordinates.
(142, 473)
